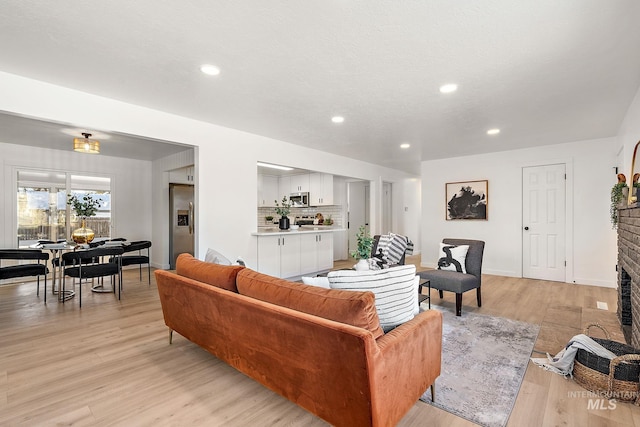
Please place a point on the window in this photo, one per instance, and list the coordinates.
(43, 212)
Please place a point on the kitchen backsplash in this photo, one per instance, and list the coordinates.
(334, 210)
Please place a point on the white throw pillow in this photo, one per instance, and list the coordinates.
(395, 289)
(322, 282)
(216, 257)
(453, 257)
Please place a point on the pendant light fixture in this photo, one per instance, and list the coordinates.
(86, 145)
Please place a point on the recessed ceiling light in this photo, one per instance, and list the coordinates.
(211, 70)
(448, 88)
(493, 131)
(405, 145)
(337, 119)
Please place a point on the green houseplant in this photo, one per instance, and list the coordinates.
(617, 198)
(84, 207)
(283, 210)
(363, 248)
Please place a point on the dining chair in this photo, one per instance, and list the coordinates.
(91, 264)
(36, 268)
(139, 258)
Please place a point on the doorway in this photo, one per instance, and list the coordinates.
(386, 208)
(358, 210)
(544, 222)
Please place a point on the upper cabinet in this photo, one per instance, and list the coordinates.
(293, 184)
(318, 185)
(300, 183)
(320, 189)
(268, 190)
(182, 176)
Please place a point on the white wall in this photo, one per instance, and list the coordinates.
(225, 160)
(629, 136)
(591, 243)
(130, 183)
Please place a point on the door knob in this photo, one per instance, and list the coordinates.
(526, 228)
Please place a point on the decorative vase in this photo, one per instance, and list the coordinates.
(283, 223)
(362, 265)
(83, 234)
(625, 198)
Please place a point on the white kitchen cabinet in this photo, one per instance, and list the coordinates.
(316, 252)
(320, 189)
(292, 254)
(325, 251)
(268, 191)
(182, 176)
(279, 255)
(269, 255)
(308, 258)
(299, 183)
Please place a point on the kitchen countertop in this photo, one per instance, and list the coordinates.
(272, 231)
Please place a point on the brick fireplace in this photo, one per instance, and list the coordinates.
(629, 273)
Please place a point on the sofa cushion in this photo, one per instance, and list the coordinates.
(222, 276)
(396, 291)
(353, 308)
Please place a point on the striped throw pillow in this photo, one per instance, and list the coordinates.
(395, 289)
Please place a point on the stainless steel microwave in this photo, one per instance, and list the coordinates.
(299, 200)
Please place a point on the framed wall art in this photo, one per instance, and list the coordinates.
(467, 200)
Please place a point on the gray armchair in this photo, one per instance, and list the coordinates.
(453, 281)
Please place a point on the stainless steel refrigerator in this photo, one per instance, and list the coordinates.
(182, 233)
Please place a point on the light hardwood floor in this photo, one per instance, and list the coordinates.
(110, 364)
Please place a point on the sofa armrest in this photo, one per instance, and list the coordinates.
(410, 361)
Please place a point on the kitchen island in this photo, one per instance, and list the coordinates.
(291, 254)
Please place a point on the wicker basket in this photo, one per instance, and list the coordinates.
(614, 379)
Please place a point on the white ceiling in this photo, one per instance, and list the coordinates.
(543, 71)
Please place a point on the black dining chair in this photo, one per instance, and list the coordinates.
(36, 268)
(139, 258)
(91, 264)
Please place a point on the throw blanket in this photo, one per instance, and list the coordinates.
(393, 246)
(562, 363)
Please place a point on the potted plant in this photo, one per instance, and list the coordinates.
(363, 249)
(269, 219)
(84, 207)
(283, 210)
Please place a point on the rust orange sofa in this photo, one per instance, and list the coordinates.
(322, 349)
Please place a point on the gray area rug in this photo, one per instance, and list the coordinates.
(484, 359)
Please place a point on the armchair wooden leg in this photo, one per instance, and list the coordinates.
(440, 293)
(433, 392)
(458, 304)
(170, 336)
(479, 298)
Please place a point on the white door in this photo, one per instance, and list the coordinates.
(543, 222)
